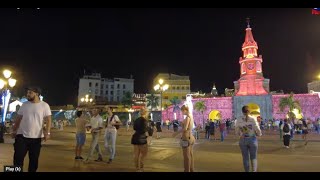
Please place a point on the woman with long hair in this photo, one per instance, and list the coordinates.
(187, 140)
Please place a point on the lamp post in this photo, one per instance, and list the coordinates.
(86, 100)
(5, 86)
(160, 87)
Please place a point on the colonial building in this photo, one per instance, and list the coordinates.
(179, 86)
(104, 89)
(314, 86)
(252, 89)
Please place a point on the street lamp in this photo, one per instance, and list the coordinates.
(86, 100)
(161, 88)
(5, 86)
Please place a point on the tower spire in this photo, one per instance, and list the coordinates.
(248, 21)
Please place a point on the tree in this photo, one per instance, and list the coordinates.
(127, 99)
(175, 102)
(291, 104)
(152, 101)
(200, 106)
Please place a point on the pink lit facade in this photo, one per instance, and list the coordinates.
(252, 87)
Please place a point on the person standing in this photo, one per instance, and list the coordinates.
(305, 131)
(286, 129)
(280, 130)
(95, 126)
(222, 127)
(29, 130)
(110, 137)
(139, 140)
(159, 130)
(187, 140)
(80, 134)
(247, 129)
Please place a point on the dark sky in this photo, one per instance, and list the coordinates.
(51, 47)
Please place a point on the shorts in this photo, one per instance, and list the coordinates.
(81, 139)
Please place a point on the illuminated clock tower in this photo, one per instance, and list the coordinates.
(251, 82)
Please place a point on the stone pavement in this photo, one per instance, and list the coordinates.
(165, 155)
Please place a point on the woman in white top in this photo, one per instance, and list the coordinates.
(247, 128)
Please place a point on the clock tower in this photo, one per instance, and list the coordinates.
(251, 80)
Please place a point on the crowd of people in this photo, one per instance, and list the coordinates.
(33, 124)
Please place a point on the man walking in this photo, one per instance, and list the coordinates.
(28, 129)
(111, 133)
(96, 126)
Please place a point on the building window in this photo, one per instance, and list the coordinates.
(111, 98)
(178, 88)
(187, 88)
(90, 84)
(111, 86)
(97, 84)
(124, 86)
(107, 86)
(118, 86)
(96, 92)
(118, 98)
(173, 88)
(118, 92)
(182, 88)
(106, 92)
(101, 92)
(111, 92)
(124, 92)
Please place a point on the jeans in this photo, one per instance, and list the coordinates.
(95, 145)
(110, 142)
(207, 134)
(249, 149)
(222, 135)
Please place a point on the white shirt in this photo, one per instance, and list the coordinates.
(112, 121)
(33, 115)
(95, 122)
(248, 128)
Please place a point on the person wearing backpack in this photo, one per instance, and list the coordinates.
(113, 123)
(286, 129)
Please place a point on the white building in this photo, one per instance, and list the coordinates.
(314, 86)
(109, 89)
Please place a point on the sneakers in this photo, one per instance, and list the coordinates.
(287, 147)
(110, 161)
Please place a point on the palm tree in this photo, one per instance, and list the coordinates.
(175, 102)
(200, 106)
(152, 101)
(291, 104)
(127, 99)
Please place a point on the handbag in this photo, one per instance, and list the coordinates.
(184, 143)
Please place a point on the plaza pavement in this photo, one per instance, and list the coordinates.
(165, 155)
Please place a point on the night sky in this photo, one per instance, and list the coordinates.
(52, 47)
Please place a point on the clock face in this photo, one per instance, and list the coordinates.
(250, 66)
